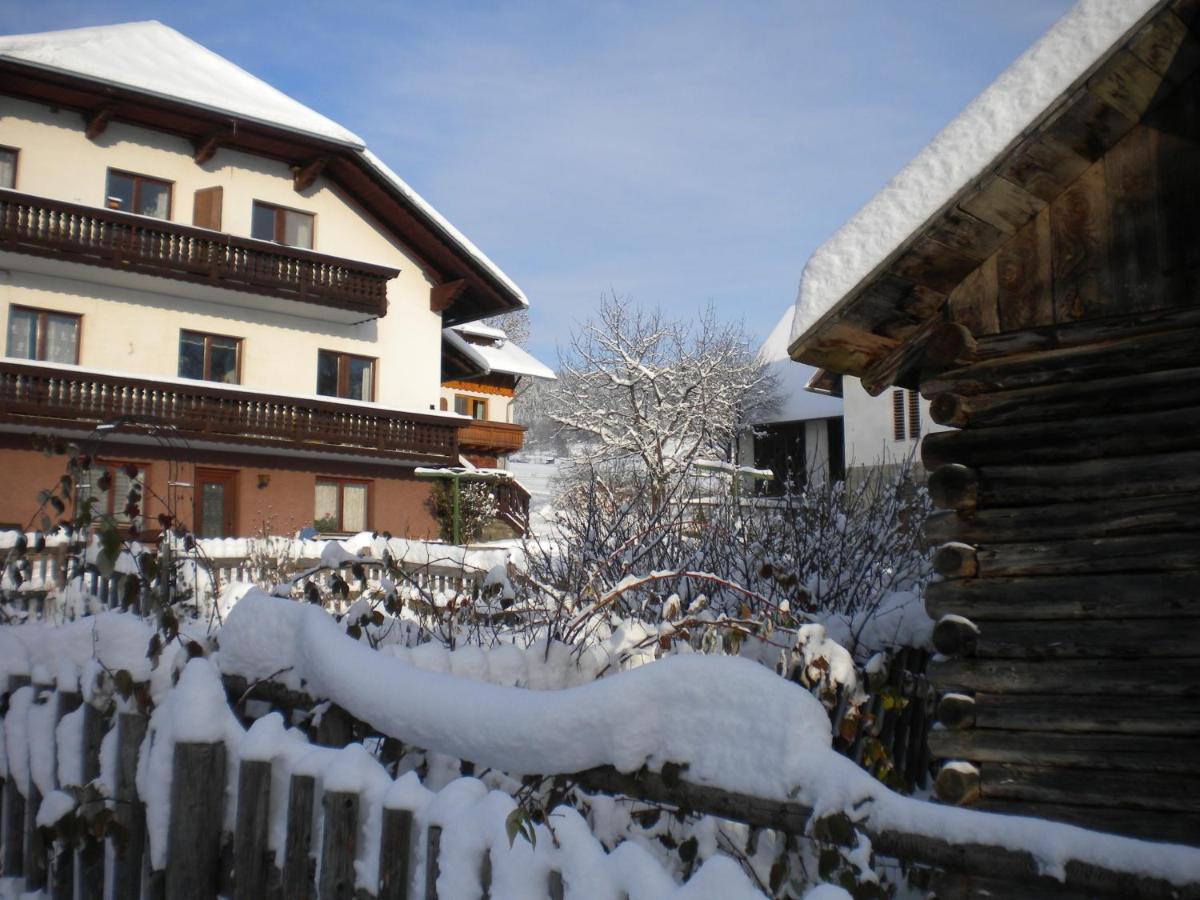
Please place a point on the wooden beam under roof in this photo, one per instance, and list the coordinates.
(95, 121)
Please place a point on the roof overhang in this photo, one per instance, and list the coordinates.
(869, 331)
(440, 251)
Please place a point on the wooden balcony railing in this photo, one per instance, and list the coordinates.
(512, 501)
(69, 397)
(129, 243)
(498, 437)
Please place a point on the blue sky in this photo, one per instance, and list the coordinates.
(680, 153)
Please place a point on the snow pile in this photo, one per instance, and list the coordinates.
(113, 640)
(962, 151)
(499, 354)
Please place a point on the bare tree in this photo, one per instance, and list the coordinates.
(514, 324)
(660, 393)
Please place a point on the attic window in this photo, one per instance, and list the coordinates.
(906, 415)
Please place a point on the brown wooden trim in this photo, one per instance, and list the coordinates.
(119, 240)
(40, 350)
(304, 176)
(95, 121)
(444, 295)
(500, 437)
(481, 386)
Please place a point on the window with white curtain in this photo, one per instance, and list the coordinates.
(43, 335)
(341, 506)
(8, 167)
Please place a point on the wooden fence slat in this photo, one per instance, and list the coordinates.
(485, 873)
(554, 885)
(297, 866)
(395, 854)
(433, 849)
(89, 863)
(13, 858)
(339, 843)
(129, 811)
(194, 832)
(250, 835)
(62, 865)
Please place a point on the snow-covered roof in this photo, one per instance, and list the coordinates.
(498, 355)
(478, 329)
(153, 58)
(797, 403)
(156, 60)
(963, 150)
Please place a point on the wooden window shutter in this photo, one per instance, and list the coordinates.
(898, 415)
(206, 209)
(914, 415)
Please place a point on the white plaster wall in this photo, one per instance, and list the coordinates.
(816, 449)
(58, 161)
(869, 439)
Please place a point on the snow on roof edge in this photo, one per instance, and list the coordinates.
(442, 222)
(506, 357)
(965, 148)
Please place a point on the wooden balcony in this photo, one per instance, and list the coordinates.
(69, 397)
(130, 243)
(492, 437)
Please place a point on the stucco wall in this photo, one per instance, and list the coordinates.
(279, 351)
(869, 436)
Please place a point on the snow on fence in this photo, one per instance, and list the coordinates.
(265, 814)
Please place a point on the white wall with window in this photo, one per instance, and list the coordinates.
(883, 430)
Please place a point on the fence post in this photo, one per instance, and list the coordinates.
(250, 833)
(89, 864)
(14, 807)
(338, 845)
(297, 869)
(395, 854)
(554, 885)
(194, 833)
(62, 865)
(130, 812)
(433, 849)
(485, 873)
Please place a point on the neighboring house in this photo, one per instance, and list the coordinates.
(252, 299)
(801, 441)
(882, 431)
(1034, 272)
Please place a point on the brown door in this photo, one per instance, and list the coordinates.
(216, 503)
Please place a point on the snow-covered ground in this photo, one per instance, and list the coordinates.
(538, 473)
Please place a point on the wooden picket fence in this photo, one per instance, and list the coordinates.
(202, 862)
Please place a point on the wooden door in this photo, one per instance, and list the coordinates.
(216, 503)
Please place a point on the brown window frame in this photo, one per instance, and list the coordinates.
(280, 229)
(16, 152)
(471, 401)
(341, 499)
(343, 377)
(138, 178)
(40, 350)
(208, 354)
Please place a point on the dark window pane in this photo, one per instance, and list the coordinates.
(154, 199)
(212, 509)
(360, 378)
(480, 409)
(191, 355)
(262, 222)
(327, 374)
(222, 360)
(460, 405)
(22, 334)
(119, 192)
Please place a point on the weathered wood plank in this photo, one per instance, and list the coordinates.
(194, 832)
(1127, 84)
(973, 303)
(36, 868)
(1177, 827)
(1089, 480)
(1024, 284)
(90, 863)
(1099, 787)
(130, 811)
(433, 855)
(933, 264)
(1129, 177)
(1111, 518)
(844, 348)
(1134, 595)
(1131, 434)
(1177, 130)
(339, 844)
(1071, 639)
(1159, 677)
(1043, 166)
(1079, 228)
(251, 853)
(1001, 203)
(396, 853)
(967, 234)
(1119, 752)
(62, 864)
(298, 869)
(1147, 392)
(1167, 47)
(1085, 714)
(1087, 125)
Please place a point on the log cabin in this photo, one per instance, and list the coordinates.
(224, 294)
(1035, 274)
